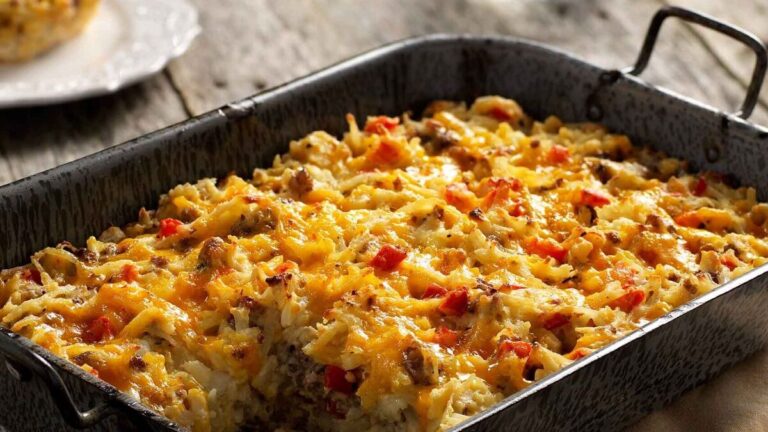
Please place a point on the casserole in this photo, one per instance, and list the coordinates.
(404, 277)
(398, 71)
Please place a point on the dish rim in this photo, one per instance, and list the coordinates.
(244, 107)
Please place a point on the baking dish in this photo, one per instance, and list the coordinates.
(637, 373)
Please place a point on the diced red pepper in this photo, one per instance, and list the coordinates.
(32, 275)
(169, 227)
(556, 320)
(434, 291)
(576, 354)
(455, 302)
(446, 337)
(500, 114)
(459, 196)
(624, 274)
(593, 198)
(381, 124)
(510, 182)
(729, 261)
(336, 379)
(546, 248)
(558, 154)
(510, 287)
(284, 267)
(388, 258)
(517, 209)
(495, 197)
(386, 153)
(251, 199)
(500, 189)
(98, 330)
(129, 273)
(521, 349)
(628, 301)
(689, 219)
(700, 187)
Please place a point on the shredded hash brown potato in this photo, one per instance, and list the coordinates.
(404, 278)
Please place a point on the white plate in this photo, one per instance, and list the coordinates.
(128, 40)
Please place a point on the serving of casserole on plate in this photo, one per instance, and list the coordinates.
(404, 276)
(29, 28)
(53, 51)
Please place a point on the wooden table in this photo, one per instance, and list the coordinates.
(250, 45)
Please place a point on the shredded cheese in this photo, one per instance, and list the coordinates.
(407, 276)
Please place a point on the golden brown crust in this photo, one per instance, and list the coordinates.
(405, 277)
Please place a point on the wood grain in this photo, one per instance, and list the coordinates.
(248, 45)
(35, 139)
(267, 43)
(733, 402)
(733, 56)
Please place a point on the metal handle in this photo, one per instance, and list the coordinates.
(743, 36)
(23, 363)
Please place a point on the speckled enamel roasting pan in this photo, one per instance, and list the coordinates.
(605, 391)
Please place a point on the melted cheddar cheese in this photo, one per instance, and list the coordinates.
(405, 277)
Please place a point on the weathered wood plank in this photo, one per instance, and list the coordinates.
(266, 43)
(737, 59)
(35, 139)
(733, 402)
